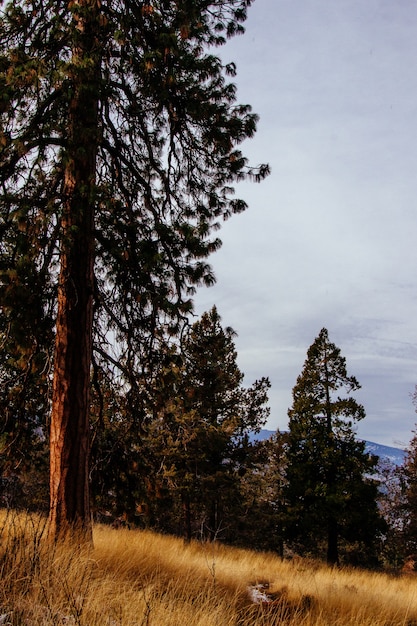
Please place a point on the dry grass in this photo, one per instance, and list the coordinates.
(133, 578)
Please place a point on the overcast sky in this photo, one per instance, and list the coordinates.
(330, 238)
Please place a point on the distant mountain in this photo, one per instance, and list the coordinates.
(393, 455)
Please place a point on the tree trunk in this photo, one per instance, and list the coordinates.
(69, 443)
(332, 542)
(332, 530)
(186, 508)
(213, 519)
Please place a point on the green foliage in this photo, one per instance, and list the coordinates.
(201, 429)
(167, 131)
(260, 524)
(329, 493)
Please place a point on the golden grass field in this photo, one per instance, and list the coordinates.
(140, 578)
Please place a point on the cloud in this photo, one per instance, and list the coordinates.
(330, 238)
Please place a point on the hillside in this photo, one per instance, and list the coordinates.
(388, 453)
(140, 578)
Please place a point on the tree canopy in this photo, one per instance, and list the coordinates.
(118, 154)
(329, 493)
(203, 421)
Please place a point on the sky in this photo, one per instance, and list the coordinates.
(329, 239)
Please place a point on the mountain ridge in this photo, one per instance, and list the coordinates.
(388, 453)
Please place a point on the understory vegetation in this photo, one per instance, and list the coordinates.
(138, 578)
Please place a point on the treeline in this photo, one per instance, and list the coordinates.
(185, 461)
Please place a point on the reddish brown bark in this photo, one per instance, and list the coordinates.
(69, 442)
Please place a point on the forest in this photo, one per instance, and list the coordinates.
(119, 155)
(194, 467)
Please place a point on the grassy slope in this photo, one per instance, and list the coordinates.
(144, 579)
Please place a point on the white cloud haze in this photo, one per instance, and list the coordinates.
(328, 239)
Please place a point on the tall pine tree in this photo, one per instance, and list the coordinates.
(205, 417)
(118, 152)
(329, 495)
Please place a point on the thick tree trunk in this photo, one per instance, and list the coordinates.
(69, 442)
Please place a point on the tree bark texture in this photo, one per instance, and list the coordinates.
(69, 443)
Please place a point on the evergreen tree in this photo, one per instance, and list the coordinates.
(261, 497)
(117, 457)
(329, 494)
(118, 152)
(204, 425)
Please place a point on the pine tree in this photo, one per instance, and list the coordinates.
(204, 423)
(261, 496)
(329, 494)
(118, 152)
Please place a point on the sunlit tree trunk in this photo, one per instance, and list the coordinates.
(69, 446)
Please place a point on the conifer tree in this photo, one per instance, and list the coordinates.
(118, 153)
(329, 495)
(261, 494)
(205, 421)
